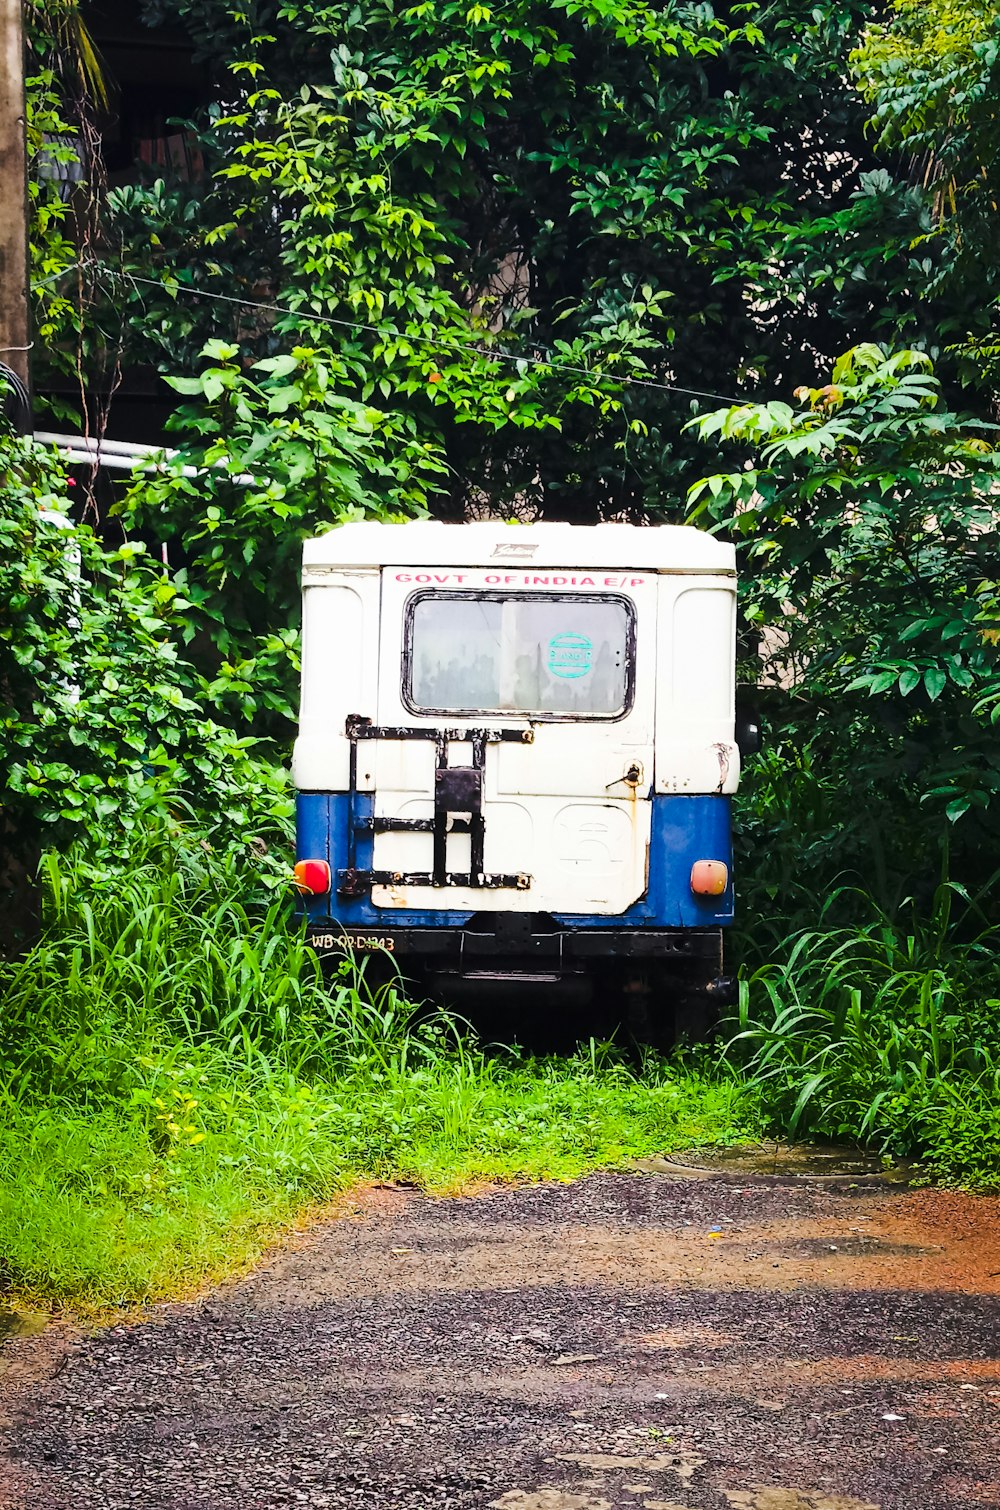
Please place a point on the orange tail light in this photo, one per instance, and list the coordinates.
(709, 878)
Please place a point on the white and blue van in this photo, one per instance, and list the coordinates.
(516, 755)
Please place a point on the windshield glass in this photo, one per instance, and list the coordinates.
(568, 655)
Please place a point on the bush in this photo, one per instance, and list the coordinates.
(103, 718)
(883, 1031)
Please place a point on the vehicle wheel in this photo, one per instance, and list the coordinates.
(664, 1006)
(646, 1005)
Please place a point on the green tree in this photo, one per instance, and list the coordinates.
(103, 719)
(660, 193)
(868, 519)
(483, 257)
(269, 454)
(448, 257)
(930, 73)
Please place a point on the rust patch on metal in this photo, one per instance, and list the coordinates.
(722, 753)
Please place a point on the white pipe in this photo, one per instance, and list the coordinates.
(92, 443)
(126, 455)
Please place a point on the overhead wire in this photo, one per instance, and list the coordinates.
(494, 353)
(63, 272)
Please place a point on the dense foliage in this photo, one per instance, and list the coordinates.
(678, 193)
(271, 453)
(102, 716)
(867, 518)
(520, 245)
(869, 522)
(178, 1082)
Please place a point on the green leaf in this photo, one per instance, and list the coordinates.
(935, 681)
(184, 384)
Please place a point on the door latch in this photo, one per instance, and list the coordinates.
(632, 777)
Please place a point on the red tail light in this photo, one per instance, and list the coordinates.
(313, 876)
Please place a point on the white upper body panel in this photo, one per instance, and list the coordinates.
(505, 547)
(558, 810)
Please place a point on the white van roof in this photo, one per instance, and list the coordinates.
(429, 542)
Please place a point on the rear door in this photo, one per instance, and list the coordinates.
(513, 769)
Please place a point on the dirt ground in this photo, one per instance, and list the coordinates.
(626, 1341)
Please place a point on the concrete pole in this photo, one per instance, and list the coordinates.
(19, 912)
(15, 318)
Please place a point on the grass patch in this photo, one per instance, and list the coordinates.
(179, 1084)
(91, 1217)
(93, 1213)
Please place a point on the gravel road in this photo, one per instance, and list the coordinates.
(625, 1341)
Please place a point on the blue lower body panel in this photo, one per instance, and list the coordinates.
(684, 829)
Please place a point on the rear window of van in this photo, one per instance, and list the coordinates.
(545, 654)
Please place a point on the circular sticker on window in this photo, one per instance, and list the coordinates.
(570, 655)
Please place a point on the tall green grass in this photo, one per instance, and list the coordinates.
(869, 984)
(882, 1030)
(178, 1082)
(170, 951)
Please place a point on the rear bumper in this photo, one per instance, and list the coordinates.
(519, 947)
